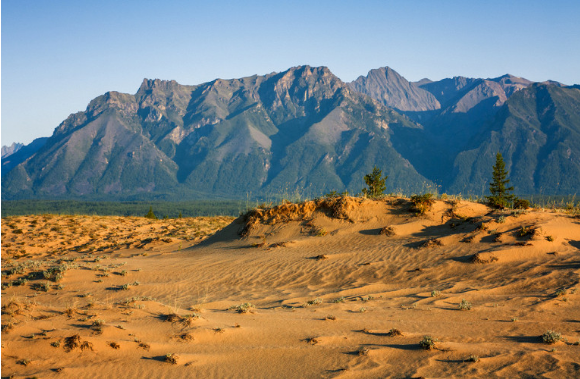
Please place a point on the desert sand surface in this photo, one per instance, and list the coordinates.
(332, 288)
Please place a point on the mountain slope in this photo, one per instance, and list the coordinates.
(22, 153)
(538, 133)
(302, 129)
(8, 150)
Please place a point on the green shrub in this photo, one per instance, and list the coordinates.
(551, 337)
(422, 203)
(150, 214)
(464, 305)
(375, 184)
(428, 343)
(521, 204)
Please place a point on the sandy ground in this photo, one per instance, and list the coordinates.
(346, 289)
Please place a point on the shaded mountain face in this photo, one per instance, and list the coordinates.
(302, 129)
(538, 133)
(11, 149)
(20, 153)
(387, 86)
(306, 131)
(467, 104)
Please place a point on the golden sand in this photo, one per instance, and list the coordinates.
(336, 288)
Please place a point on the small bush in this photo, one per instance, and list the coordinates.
(312, 341)
(363, 351)
(394, 332)
(87, 346)
(464, 305)
(551, 337)
(244, 308)
(472, 358)
(375, 184)
(171, 358)
(144, 346)
(23, 362)
(72, 342)
(44, 286)
(428, 343)
(422, 203)
(521, 204)
(316, 301)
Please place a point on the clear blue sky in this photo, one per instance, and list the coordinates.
(57, 55)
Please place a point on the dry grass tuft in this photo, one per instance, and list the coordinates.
(432, 243)
(394, 332)
(86, 345)
(312, 341)
(144, 346)
(172, 317)
(387, 231)
(171, 358)
(477, 258)
(363, 351)
(186, 337)
(72, 342)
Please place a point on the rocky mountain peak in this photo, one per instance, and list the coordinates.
(387, 86)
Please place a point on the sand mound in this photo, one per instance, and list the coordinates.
(335, 207)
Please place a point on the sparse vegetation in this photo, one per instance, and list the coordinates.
(363, 351)
(472, 358)
(72, 342)
(312, 341)
(428, 343)
(422, 203)
(375, 184)
(244, 308)
(171, 358)
(551, 337)
(465, 305)
(316, 301)
(500, 193)
(394, 332)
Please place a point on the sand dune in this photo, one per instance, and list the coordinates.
(298, 291)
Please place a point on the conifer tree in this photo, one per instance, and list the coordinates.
(500, 192)
(376, 184)
(150, 214)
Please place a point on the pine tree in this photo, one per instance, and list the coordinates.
(500, 193)
(376, 184)
(150, 214)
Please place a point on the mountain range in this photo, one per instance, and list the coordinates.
(304, 130)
